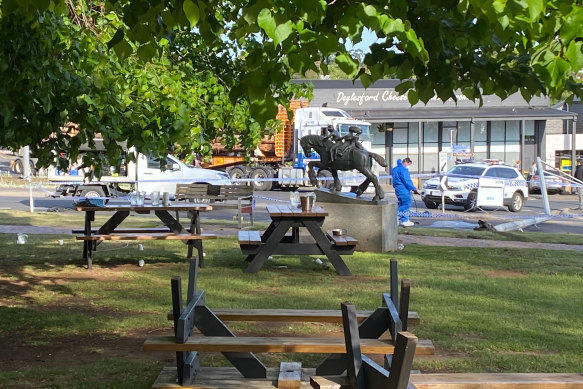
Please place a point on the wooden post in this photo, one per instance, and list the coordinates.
(352, 339)
(404, 306)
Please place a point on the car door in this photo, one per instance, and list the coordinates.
(509, 176)
(152, 178)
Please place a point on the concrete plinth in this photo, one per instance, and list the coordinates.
(373, 225)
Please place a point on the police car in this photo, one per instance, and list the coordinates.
(462, 186)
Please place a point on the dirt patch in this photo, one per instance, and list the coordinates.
(20, 350)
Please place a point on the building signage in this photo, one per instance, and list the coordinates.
(381, 96)
(461, 150)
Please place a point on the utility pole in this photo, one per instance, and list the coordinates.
(27, 175)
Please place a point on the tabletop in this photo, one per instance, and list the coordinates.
(289, 211)
(147, 208)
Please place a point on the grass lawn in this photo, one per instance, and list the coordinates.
(486, 310)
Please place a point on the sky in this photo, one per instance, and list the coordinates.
(368, 38)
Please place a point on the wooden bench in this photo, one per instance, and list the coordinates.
(231, 378)
(275, 344)
(294, 315)
(136, 236)
(153, 230)
(220, 196)
(249, 238)
(341, 240)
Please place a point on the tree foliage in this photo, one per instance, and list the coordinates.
(58, 69)
(250, 49)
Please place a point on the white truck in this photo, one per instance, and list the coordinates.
(145, 174)
(280, 160)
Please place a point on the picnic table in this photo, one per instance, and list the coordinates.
(172, 230)
(274, 240)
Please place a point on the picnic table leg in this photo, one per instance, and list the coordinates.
(326, 246)
(187, 363)
(268, 247)
(195, 228)
(115, 220)
(177, 228)
(89, 217)
(370, 328)
(210, 325)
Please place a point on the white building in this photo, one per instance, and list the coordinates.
(510, 130)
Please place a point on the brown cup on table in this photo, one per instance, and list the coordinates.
(307, 202)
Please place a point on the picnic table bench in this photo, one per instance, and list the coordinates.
(173, 230)
(317, 315)
(277, 241)
(238, 197)
(239, 350)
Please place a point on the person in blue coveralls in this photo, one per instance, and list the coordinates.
(403, 187)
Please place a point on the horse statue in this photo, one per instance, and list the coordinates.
(354, 158)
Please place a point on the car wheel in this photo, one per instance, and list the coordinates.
(471, 201)
(260, 174)
(516, 202)
(325, 179)
(17, 167)
(94, 192)
(431, 204)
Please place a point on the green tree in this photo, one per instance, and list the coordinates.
(437, 47)
(58, 69)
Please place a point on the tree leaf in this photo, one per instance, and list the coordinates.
(282, 31)
(264, 110)
(123, 50)
(147, 52)
(266, 21)
(575, 55)
(557, 69)
(535, 7)
(572, 26)
(404, 87)
(191, 12)
(347, 64)
(366, 80)
(328, 44)
(413, 97)
(117, 37)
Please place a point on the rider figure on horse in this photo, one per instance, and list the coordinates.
(345, 143)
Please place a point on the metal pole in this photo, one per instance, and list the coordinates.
(543, 186)
(573, 150)
(27, 175)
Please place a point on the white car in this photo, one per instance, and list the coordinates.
(462, 186)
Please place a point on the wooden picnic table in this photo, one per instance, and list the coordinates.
(173, 229)
(274, 240)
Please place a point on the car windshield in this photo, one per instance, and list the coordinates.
(461, 170)
(365, 136)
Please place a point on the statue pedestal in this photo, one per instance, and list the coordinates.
(374, 225)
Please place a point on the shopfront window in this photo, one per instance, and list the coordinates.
(430, 147)
(378, 137)
(405, 141)
(529, 137)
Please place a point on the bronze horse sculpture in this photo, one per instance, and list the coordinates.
(355, 158)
